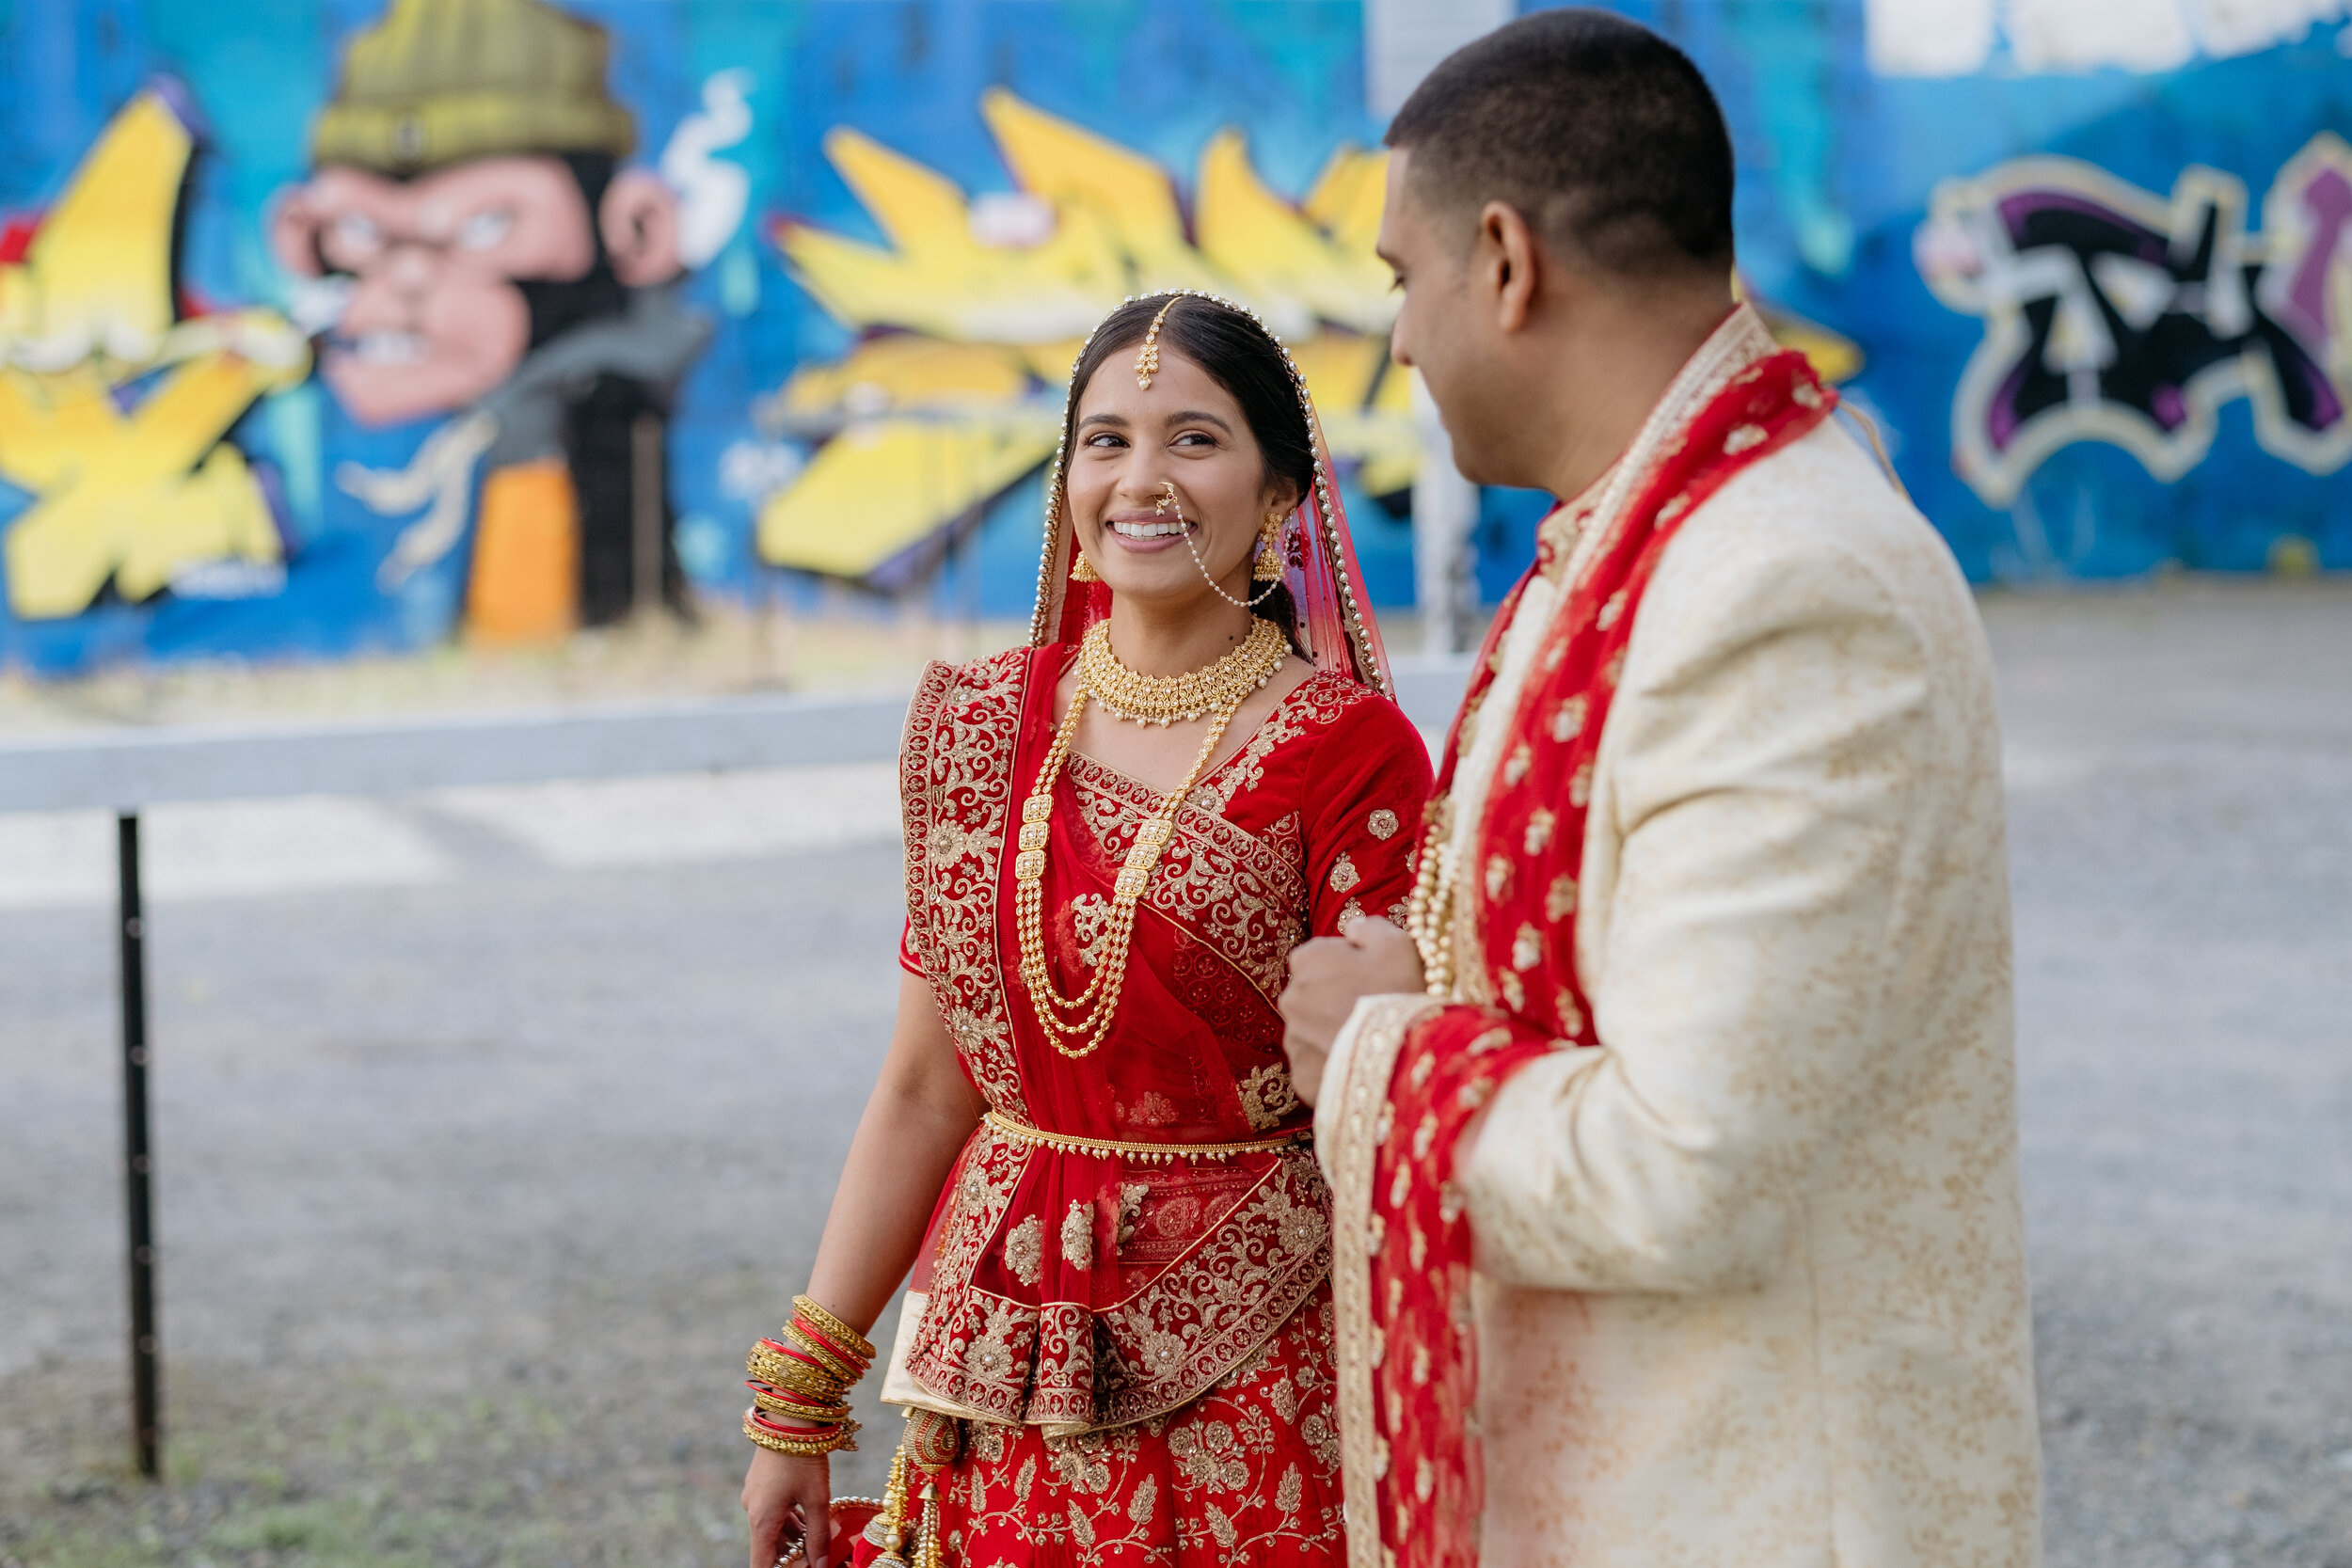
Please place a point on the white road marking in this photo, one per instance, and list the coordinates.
(231, 849)
(584, 825)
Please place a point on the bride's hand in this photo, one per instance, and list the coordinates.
(789, 1502)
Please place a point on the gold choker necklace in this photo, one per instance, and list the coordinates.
(1142, 698)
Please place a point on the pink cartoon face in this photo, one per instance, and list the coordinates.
(435, 319)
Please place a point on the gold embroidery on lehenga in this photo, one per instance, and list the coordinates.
(1253, 1471)
(1196, 1313)
(955, 784)
(1077, 1235)
(1131, 1196)
(1091, 921)
(1268, 1096)
(1212, 1262)
(1024, 1250)
(1313, 703)
(1232, 889)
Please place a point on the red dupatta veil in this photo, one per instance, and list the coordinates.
(1318, 552)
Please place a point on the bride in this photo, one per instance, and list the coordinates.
(1115, 1347)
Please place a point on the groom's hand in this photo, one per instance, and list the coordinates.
(1370, 957)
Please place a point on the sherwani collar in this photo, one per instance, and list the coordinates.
(1739, 341)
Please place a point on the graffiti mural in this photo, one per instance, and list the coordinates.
(2113, 314)
(972, 312)
(473, 246)
(117, 390)
(336, 326)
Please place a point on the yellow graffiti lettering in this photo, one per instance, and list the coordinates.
(134, 495)
(983, 302)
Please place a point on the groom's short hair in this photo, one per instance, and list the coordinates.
(1601, 134)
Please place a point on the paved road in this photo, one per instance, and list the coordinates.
(492, 1124)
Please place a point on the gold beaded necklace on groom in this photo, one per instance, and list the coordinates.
(1216, 690)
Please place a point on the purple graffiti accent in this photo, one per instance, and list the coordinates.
(2326, 408)
(2001, 419)
(2147, 368)
(2018, 210)
(2329, 200)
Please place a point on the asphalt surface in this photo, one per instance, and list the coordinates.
(490, 1128)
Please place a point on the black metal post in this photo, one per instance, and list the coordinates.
(146, 1350)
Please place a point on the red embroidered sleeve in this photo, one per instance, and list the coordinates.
(1365, 790)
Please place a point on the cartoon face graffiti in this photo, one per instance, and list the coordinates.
(472, 246)
(453, 275)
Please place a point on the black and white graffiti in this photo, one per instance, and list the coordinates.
(2114, 315)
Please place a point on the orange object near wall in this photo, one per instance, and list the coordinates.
(525, 583)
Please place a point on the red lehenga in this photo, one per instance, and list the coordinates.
(1138, 1343)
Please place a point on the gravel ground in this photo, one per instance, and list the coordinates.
(2180, 768)
(476, 1180)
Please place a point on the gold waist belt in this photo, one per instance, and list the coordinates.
(1158, 1154)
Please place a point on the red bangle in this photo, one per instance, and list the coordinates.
(852, 1357)
(796, 1400)
(761, 1421)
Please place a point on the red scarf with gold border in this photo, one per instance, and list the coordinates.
(1530, 848)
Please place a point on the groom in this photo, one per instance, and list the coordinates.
(1703, 1034)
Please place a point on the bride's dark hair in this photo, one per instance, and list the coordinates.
(1241, 358)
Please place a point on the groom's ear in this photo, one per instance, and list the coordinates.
(1507, 263)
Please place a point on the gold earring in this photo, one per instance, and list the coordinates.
(1084, 571)
(1270, 563)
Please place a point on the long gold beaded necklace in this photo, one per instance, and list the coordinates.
(1218, 689)
(1429, 914)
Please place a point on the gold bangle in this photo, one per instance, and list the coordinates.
(842, 1438)
(850, 1338)
(784, 1349)
(1150, 1153)
(817, 1415)
(801, 1380)
(816, 1350)
(767, 1366)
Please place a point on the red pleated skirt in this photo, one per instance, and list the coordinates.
(1247, 1473)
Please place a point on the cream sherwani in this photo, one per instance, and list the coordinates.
(1751, 1278)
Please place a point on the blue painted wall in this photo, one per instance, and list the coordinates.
(1840, 171)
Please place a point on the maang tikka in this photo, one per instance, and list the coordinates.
(1148, 361)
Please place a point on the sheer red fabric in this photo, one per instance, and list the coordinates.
(1529, 853)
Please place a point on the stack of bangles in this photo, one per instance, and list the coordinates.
(800, 1384)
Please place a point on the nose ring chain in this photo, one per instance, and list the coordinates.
(1168, 501)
